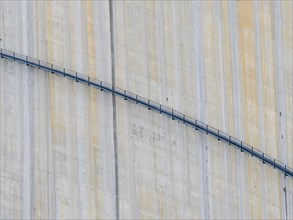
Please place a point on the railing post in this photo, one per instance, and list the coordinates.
(241, 147)
(101, 85)
(263, 158)
(286, 170)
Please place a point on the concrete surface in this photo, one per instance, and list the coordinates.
(228, 64)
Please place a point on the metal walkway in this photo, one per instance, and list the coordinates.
(195, 124)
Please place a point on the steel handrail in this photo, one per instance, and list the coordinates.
(103, 86)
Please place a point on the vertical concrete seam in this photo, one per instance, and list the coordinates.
(161, 52)
(202, 107)
(32, 104)
(114, 109)
(238, 105)
(280, 94)
(51, 193)
(280, 83)
(27, 86)
(260, 101)
(223, 106)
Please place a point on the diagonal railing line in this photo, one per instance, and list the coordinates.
(103, 86)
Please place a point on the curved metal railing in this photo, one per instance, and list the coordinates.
(78, 77)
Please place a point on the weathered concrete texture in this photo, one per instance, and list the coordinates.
(226, 63)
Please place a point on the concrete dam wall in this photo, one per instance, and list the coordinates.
(68, 150)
